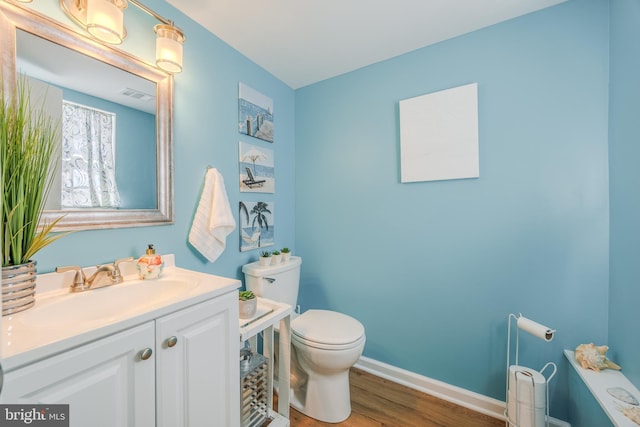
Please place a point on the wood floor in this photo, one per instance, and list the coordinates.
(377, 402)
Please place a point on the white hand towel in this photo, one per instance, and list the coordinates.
(213, 220)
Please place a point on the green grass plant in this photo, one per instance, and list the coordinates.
(27, 145)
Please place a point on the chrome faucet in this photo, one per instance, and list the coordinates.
(105, 275)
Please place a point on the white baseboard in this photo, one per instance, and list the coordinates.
(460, 396)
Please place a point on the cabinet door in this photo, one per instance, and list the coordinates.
(198, 370)
(105, 383)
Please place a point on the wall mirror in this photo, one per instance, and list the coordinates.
(76, 70)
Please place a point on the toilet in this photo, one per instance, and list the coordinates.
(325, 344)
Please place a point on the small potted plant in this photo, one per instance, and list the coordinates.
(265, 258)
(275, 257)
(248, 304)
(286, 254)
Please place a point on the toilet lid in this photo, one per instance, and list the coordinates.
(327, 327)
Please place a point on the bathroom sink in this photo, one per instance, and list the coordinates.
(61, 319)
(106, 304)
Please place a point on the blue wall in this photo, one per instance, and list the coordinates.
(432, 269)
(624, 154)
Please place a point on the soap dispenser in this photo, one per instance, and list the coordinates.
(150, 265)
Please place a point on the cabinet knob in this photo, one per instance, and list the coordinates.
(145, 354)
(172, 341)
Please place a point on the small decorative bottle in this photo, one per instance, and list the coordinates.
(150, 265)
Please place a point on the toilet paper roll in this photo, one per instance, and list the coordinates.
(535, 328)
(526, 398)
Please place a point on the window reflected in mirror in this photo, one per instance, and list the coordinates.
(88, 169)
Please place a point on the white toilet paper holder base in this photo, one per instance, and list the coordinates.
(546, 334)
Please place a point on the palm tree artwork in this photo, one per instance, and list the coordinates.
(259, 216)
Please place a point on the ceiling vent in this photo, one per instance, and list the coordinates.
(136, 94)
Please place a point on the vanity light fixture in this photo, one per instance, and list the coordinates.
(169, 47)
(104, 20)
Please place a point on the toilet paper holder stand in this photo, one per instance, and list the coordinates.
(544, 333)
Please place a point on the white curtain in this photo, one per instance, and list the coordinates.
(88, 157)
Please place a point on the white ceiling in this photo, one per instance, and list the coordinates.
(302, 42)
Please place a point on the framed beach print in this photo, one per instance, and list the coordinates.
(256, 168)
(255, 113)
(256, 225)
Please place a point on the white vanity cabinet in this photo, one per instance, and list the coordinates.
(189, 379)
(105, 382)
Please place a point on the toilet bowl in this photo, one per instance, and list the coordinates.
(324, 344)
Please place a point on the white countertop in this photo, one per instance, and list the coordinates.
(25, 340)
(599, 382)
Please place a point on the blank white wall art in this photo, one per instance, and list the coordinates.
(439, 135)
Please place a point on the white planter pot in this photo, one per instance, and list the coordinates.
(264, 261)
(248, 308)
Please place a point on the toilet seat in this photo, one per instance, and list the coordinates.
(327, 330)
(306, 343)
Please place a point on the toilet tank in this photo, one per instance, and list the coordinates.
(278, 282)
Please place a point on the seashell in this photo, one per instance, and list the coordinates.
(623, 395)
(633, 413)
(593, 357)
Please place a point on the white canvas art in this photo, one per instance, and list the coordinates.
(439, 135)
